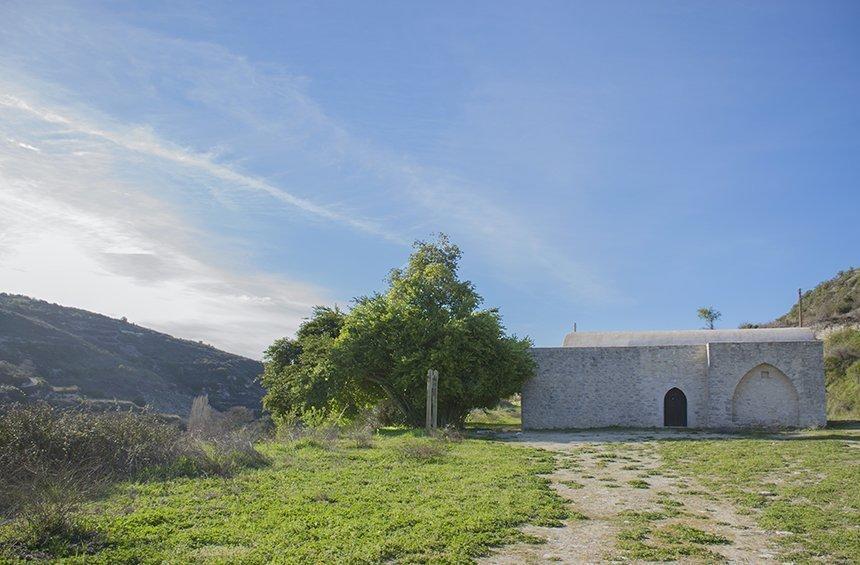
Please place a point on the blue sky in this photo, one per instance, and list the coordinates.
(213, 169)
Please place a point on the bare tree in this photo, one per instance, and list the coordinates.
(710, 315)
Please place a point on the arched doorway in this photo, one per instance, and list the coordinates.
(675, 408)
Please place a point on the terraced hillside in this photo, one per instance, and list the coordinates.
(65, 354)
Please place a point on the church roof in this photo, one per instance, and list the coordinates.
(686, 337)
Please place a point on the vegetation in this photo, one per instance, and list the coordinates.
(709, 315)
(330, 501)
(835, 302)
(68, 356)
(842, 374)
(53, 461)
(803, 486)
(507, 414)
(833, 309)
(380, 351)
(300, 376)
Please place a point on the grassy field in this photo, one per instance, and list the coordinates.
(804, 486)
(406, 498)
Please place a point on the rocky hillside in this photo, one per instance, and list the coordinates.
(65, 354)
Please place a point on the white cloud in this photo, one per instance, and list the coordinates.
(72, 233)
(83, 222)
(22, 145)
(142, 140)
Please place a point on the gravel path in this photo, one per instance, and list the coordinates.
(594, 470)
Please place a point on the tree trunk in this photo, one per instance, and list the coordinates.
(409, 413)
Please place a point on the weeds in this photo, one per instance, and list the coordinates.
(53, 461)
(422, 451)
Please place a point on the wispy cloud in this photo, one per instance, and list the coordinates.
(72, 232)
(98, 116)
(143, 140)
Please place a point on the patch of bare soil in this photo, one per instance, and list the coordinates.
(618, 490)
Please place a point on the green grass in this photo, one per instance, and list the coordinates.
(334, 504)
(806, 485)
(638, 483)
(505, 416)
(641, 537)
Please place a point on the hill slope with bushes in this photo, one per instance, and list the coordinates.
(62, 354)
(835, 302)
(832, 309)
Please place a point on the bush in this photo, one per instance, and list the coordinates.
(362, 429)
(422, 451)
(220, 443)
(41, 437)
(48, 503)
(448, 433)
(53, 460)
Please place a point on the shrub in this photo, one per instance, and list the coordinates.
(448, 433)
(49, 500)
(220, 443)
(422, 451)
(362, 429)
(52, 461)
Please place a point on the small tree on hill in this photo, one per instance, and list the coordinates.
(709, 315)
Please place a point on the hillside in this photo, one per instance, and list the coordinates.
(833, 309)
(65, 354)
(835, 302)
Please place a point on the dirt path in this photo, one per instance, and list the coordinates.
(627, 508)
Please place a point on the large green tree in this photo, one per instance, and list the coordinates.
(299, 376)
(427, 318)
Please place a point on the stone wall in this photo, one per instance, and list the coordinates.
(765, 397)
(802, 363)
(586, 387)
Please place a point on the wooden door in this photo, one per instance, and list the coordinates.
(675, 408)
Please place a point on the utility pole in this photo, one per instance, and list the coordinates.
(574, 327)
(799, 307)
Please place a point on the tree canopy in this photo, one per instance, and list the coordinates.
(710, 315)
(381, 350)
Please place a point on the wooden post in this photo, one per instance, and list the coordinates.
(429, 418)
(432, 420)
(435, 399)
(799, 308)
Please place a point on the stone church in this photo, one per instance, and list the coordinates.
(700, 378)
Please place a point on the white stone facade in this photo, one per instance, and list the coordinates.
(730, 379)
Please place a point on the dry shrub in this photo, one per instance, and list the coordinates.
(422, 451)
(221, 443)
(52, 460)
(361, 431)
(47, 498)
(317, 436)
(448, 434)
(313, 428)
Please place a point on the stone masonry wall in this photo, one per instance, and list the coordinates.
(587, 387)
(801, 362)
(613, 386)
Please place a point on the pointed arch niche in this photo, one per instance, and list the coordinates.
(765, 398)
